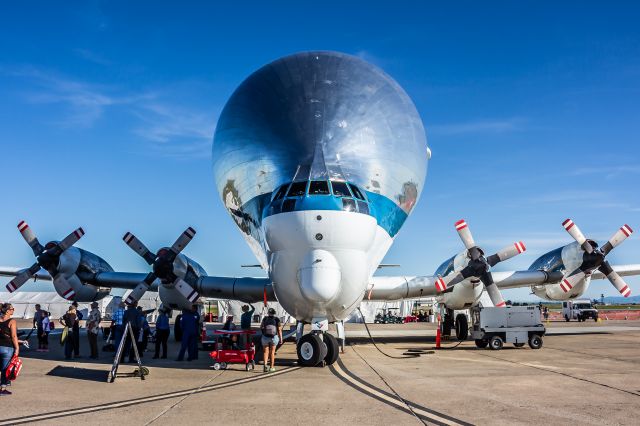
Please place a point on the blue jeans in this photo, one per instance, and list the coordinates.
(6, 354)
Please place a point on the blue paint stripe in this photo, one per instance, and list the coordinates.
(388, 214)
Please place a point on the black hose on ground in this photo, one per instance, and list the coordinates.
(408, 354)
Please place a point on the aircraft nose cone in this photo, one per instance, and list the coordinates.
(319, 276)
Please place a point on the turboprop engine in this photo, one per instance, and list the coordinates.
(462, 278)
(577, 262)
(69, 266)
(177, 273)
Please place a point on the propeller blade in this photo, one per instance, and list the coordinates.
(465, 234)
(569, 282)
(577, 235)
(184, 239)
(137, 246)
(186, 290)
(22, 278)
(137, 293)
(623, 233)
(615, 279)
(67, 291)
(506, 253)
(71, 239)
(492, 290)
(442, 283)
(30, 238)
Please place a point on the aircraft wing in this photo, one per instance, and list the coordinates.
(407, 287)
(9, 271)
(403, 287)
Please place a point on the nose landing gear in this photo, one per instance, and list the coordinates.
(317, 348)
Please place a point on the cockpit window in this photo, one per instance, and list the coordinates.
(318, 187)
(340, 189)
(297, 189)
(281, 192)
(356, 192)
(348, 205)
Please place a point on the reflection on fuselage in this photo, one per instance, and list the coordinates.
(319, 132)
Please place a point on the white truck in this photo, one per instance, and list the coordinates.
(579, 310)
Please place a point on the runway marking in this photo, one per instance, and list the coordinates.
(560, 373)
(121, 404)
(423, 414)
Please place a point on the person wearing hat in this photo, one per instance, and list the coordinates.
(271, 328)
(93, 325)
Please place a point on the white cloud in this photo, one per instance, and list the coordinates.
(170, 127)
(479, 126)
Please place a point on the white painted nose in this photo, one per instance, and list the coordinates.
(319, 276)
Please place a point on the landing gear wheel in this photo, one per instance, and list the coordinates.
(311, 350)
(333, 349)
(481, 343)
(462, 327)
(518, 345)
(496, 343)
(216, 366)
(535, 342)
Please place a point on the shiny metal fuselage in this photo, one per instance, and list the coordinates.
(319, 116)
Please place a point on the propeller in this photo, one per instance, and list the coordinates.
(479, 267)
(162, 263)
(594, 258)
(48, 258)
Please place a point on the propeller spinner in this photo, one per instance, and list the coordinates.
(594, 258)
(48, 258)
(479, 267)
(162, 263)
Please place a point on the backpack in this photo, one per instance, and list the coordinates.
(269, 326)
(13, 369)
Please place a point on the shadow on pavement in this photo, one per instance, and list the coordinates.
(79, 373)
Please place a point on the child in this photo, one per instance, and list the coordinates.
(46, 328)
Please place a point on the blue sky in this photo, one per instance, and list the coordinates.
(532, 112)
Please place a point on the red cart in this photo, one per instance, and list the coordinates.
(223, 353)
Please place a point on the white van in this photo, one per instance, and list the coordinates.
(579, 310)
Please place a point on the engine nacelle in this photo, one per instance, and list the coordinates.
(190, 271)
(565, 260)
(77, 266)
(464, 294)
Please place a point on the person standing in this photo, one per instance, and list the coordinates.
(69, 320)
(37, 324)
(93, 325)
(76, 331)
(271, 335)
(189, 326)
(145, 330)
(245, 322)
(46, 329)
(162, 334)
(132, 317)
(9, 344)
(118, 325)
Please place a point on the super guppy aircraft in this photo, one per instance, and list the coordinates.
(319, 157)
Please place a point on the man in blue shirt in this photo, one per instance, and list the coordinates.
(189, 323)
(118, 327)
(162, 334)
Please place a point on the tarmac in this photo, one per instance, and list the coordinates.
(586, 373)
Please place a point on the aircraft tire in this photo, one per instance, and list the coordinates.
(462, 327)
(333, 349)
(311, 350)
